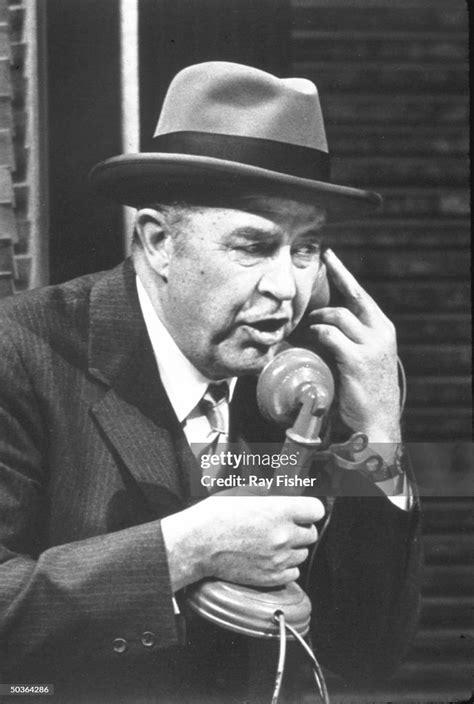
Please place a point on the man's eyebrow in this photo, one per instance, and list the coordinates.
(313, 233)
(251, 233)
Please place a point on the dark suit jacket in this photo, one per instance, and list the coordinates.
(91, 457)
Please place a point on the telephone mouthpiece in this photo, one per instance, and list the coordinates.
(282, 382)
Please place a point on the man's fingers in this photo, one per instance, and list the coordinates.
(342, 277)
(304, 509)
(290, 575)
(342, 319)
(334, 340)
(305, 536)
(355, 296)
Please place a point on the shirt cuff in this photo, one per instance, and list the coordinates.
(403, 500)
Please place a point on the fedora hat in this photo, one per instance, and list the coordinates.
(229, 126)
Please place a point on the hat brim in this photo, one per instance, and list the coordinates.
(141, 179)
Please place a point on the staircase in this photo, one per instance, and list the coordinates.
(392, 78)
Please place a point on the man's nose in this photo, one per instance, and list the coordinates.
(278, 279)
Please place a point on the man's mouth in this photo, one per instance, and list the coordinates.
(266, 331)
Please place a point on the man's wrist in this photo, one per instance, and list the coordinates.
(182, 550)
(387, 437)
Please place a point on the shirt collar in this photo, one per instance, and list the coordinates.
(183, 383)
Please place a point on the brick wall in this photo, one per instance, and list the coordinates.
(8, 229)
(23, 185)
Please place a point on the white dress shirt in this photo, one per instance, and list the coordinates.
(183, 383)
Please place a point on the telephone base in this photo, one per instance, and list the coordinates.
(251, 611)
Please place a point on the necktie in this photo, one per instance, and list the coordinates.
(213, 405)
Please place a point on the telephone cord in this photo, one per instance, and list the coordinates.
(403, 385)
(307, 649)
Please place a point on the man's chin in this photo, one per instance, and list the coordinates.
(252, 360)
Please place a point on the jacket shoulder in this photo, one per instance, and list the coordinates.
(52, 298)
(55, 315)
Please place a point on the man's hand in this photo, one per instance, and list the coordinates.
(362, 341)
(255, 540)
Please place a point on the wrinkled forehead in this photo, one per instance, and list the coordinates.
(285, 212)
(257, 216)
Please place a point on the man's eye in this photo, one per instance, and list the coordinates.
(253, 252)
(306, 252)
(256, 248)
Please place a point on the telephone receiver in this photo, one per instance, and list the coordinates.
(321, 295)
(295, 390)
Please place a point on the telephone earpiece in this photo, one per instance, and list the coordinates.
(319, 298)
(320, 294)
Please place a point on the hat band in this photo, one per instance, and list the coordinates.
(289, 159)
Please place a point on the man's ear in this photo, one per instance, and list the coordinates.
(153, 230)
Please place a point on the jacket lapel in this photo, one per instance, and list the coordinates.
(134, 413)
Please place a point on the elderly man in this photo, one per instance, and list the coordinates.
(102, 382)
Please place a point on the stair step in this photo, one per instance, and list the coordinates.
(400, 171)
(435, 328)
(440, 676)
(421, 264)
(442, 683)
(421, 4)
(448, 390)
(457, 580)
(400, 694)
(420, 296)
(6, 115)
(404, 109)
(443, 470)
(395, 141)
(458, 652)
(443, 358)
(450, 549)
(6, 255)
(448, 514)
(16, 20)
(431, 202)
(416, 202)
(315, 45)
(448, 78)
(405, 234)
(438, 424)
(446, 613)
(450, 17)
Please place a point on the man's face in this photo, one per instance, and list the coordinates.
(239, 280)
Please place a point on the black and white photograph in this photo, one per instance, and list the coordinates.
(236, 458)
